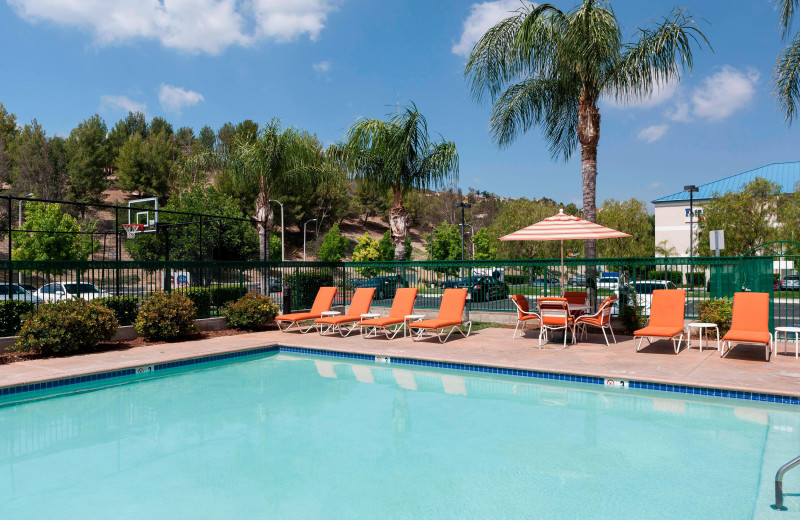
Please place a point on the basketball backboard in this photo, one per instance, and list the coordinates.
(144, 212)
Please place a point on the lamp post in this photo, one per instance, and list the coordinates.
(19, 274)
(463, 206)
(433, 235)
(283, 244)
(692, 189)
(471, 237)
(304, 237)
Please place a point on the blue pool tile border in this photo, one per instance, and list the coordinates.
(534, 374)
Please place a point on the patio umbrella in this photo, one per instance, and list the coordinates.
(564, 227)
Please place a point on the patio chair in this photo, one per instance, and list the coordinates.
(575, 297)
(555, 315)
(451, 312)
(524, 313)
(750, 321)
(667, 309)
(362, 299)
(402, 306)
(322, 303)
(602, 319)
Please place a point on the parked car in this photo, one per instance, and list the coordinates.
(544, 282)
(385, 286)
(790, 283)
(579, 280)
(455, 283)
(58, 291)
(18, 292)
(644, 292)
(608, 282)
(275, 285)
(487, 288)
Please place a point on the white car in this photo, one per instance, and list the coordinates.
(58, 291)
(644, 292)
(608, 282)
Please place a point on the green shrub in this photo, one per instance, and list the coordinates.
(204, 298)
(675, 277)
(12, 314)
(125, 308)
(166, 316)
(252, 311)
(716, 310)
(630, 314)
(306, 285)
(66, 327)
(698, 279)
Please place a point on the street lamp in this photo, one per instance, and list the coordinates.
(433, 235)
(471, 237)
(304, 237)
(19, 274)
(463, 206)
(692, 189)
(283, 244)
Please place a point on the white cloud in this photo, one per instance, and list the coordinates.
(652, 133)
(482, 17)
(724, 93)
(174, 99)
(191, 25)
(123, 103)
(680, 112)
(322, 67)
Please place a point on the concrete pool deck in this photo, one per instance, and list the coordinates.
(744, 368)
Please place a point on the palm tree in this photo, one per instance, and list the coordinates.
(548, 68)
(787, 71)
(399, 155)
(274, 162)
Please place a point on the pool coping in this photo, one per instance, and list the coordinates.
(83, 381)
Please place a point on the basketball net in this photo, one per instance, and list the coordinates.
(132, 229)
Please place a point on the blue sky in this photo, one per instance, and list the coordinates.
(320, 64)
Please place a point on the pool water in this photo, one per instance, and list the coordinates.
(300, 437)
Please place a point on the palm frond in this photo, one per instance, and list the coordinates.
(657, 55)
(786, 9)
(787, 79)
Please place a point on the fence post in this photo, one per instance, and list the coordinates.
(118, 250)
(10, 265)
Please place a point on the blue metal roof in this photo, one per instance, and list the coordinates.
(786, 175)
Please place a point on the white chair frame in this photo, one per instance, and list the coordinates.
(602, 312)
(557, 310)
(770, 347)
(520, 312)
(676, 346)
(297, 324)
(439, 332)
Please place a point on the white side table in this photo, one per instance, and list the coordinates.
(410, 318)
(786, 331)
(329, 313)
(701, 327)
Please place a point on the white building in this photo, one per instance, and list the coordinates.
(672, 211)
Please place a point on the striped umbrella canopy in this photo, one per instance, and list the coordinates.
(564, 227)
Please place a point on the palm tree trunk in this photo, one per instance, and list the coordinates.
(399, 218)
(589, 135)
(263, 224)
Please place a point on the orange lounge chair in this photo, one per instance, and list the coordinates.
(524, 313)
(602, 319)
(359, 305)
(321, 304)
(555, 316)
(750, 321)
(402, 306)
(450, 315)
(667, 308)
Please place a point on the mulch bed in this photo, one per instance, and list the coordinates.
(13, 357)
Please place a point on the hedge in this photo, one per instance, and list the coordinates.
(204, 298)
(12, 314)
(305, 286)
(675, 277)
(125, 308)
(66, 327)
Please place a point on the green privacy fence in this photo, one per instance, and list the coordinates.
(213, 283)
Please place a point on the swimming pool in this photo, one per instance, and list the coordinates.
(295, 436)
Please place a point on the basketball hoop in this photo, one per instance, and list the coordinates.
(132, 229)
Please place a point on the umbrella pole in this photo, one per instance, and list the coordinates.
(562, 268)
